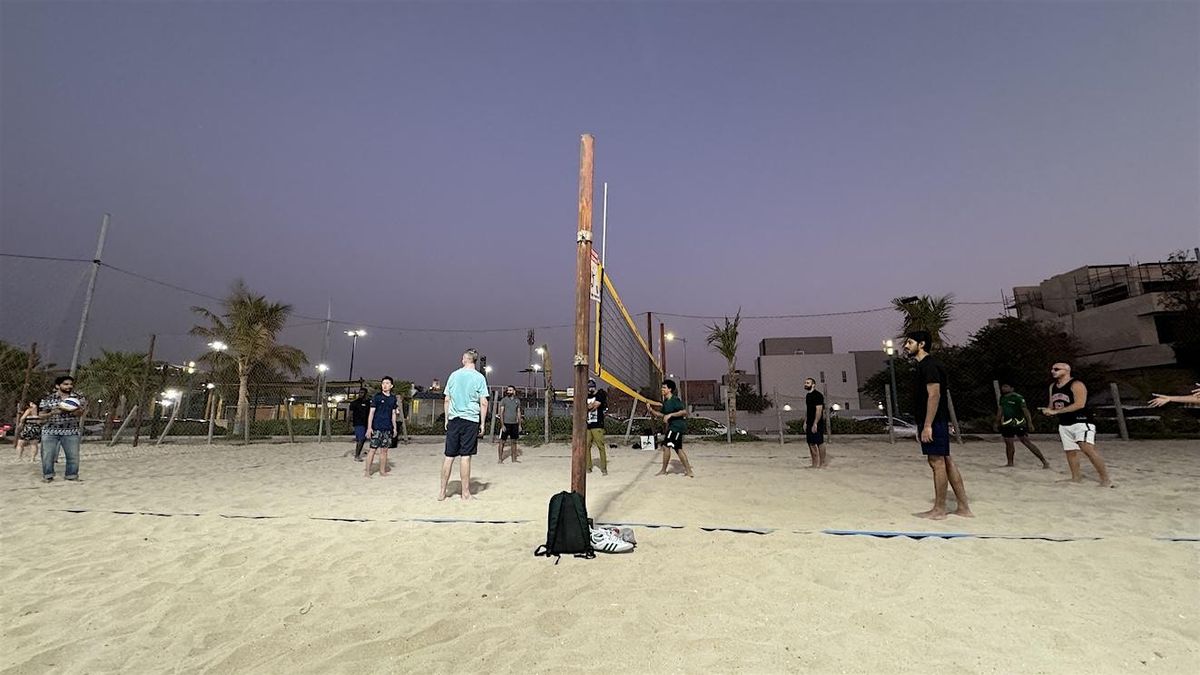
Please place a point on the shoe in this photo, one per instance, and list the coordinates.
(75, 479)
(622, 533)
(604, 542)
(48, 479)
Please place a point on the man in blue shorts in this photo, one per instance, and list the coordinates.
(814, 424)
(382, 423)
(933, 419)
(466, 406)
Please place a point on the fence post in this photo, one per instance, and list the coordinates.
(953, 418)
(996, 391)
(291, 433)
(629, 424)
(887, 395)
(124, 423)
(1116, 397)
(25, 387)
(779, 416)
(142, 401)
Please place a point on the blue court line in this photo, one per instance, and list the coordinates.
(461, 520)
(739, 530)
(650, 525)
(128, 513)
(889, 534)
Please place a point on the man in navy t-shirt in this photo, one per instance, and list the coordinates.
(382, 423)
(932, 412)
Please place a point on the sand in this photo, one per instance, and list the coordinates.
(283, 558)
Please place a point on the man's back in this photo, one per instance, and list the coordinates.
(464, 388)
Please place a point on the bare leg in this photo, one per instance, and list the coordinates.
(960, 492)
(821, 454)
(1097, 461)
(1073, 464)
(938, 512)
(500, 451)
(666, 461)
(515, 452)
(815, 455)
(370, 459)
(447, 465)
(464, 474)
(687, 466)
(1036, 452)
(383, 463)
(21, 449)
(1010, 451)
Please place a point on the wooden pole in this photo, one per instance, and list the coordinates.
(662, 347)
(779, 416)
(887, 394)
(124, 423)
(87, 298)
(583, 300)
(1116, 397)
(954, 418)
(137, 428)
(996, 391)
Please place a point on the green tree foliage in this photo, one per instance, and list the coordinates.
(926, 313)
(1182, 295)
(750, 400)
(723, 339)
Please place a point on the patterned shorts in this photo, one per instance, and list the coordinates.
(381, 439)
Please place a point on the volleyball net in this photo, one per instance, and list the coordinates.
(623, 359)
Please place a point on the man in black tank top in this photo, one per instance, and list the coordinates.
(1068, 405)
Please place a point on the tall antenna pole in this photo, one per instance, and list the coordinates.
(87, 299)
(604, 228)
(583, 307)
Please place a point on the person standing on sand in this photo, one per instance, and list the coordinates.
(466, 406)
(597, 408)
(360, 417)
(29, 433)
(932, 413)
(1013, 421)
(511, 417)
(382, 422)
(814, 420)
(1068, 404)
(672, 411)
(61, 427)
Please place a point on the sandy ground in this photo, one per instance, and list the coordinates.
(283, 558)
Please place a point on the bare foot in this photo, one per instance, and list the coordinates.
(468, 496)
(441, 496)
(1069, 480)
(812, 466)
(661, 473)
(366, 475)
(515, 460)
(1106, 483)
(932, 514)
(1008, 466)
(690, 474)
(1045, 465)
(385, 475)
(964, 512)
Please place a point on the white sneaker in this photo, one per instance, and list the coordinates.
(603, 541)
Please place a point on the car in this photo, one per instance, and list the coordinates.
(707, 426)
(901, 428)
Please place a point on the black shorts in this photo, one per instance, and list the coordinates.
(510, 432)
(814, 439)
(462, 437)
(1014, 431)
(940, 447)
(673, 440)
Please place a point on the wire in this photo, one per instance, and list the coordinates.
(44, 257)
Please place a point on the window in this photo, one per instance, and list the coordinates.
(822, 377)
(843, 376)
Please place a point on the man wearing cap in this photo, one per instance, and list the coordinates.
(597, 406)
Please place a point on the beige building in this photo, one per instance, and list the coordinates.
(1118, 312)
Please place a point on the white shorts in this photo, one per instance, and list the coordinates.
(1073, 435)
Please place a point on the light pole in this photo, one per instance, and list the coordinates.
(219, 348)
(889, 347)
(320, 399)
(671, 337)
(354, 335)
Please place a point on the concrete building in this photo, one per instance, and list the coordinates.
(1118, 312)
(784, 362)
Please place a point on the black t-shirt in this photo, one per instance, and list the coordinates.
(813, 399)
(360, 409)
(928, 371)
(595, 418)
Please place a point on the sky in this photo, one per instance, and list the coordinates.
(415, 165)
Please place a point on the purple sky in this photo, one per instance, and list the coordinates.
(417, 162)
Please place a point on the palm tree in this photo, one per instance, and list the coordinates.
(724, 341)
(248, 325)
(926, 313)
(115, 377)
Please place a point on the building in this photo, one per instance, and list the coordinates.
(1119, 312)
(783, 363)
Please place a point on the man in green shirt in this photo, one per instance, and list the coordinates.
(673, 414)
(1014, 421)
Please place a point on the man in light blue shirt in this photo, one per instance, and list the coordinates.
(466, 406)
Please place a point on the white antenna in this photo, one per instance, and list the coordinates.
(604, 226)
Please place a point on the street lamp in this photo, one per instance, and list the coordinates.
(354, 335)
(671, 337)
(210, 406)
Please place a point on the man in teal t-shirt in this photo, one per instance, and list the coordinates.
(466, 408)
(1013, 421)
(673, 412)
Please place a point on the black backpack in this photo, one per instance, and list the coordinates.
(567, 530)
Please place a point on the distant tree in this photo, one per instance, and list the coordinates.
(723, 338)
(13, 363)
(249, 324)
(926, 313)
(752, 401)
(115, 378)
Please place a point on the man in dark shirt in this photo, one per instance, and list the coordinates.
(672, 411)
(360, 411)
(814, 420)
(382, 422)
(597, 407)
(932, 413)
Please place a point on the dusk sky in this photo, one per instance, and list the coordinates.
(417, 163)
